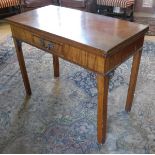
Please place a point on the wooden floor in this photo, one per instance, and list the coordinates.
(5, 31)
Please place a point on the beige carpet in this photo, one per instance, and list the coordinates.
(4, 30)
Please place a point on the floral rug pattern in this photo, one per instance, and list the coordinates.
(60, 116)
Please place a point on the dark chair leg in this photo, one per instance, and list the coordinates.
(98, 9)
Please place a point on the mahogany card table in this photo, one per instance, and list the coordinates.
(95, 42)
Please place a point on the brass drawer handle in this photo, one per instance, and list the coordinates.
(50, 46)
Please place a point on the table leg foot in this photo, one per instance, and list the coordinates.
(22, 66)
(56, 66)
(103, 85)
(133, 80)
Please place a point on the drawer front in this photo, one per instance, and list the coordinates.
(39, 41)
(46, 44)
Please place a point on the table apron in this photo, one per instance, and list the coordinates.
(123, 53)
(84, 58)
(94, 61)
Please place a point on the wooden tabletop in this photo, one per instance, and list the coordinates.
(98, 31)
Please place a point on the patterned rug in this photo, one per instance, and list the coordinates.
(60, 116)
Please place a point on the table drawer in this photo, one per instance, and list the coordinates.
(46, 44)
(37, 40)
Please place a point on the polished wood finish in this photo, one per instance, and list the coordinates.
(102, 85)
(56, 66)
(95, 42)
(133, 79)
(22, 66)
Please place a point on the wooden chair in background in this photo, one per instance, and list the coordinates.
(9, 7)
(117, 8)
(84, 5)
